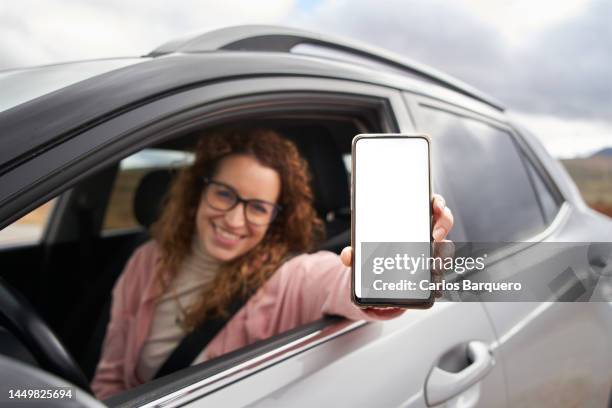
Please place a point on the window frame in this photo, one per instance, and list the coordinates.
(58, 169)
(186, 385)
(530, 155)
(48, 174)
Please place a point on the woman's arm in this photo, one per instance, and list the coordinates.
(325, 282)
(332, 278)
(109, 378)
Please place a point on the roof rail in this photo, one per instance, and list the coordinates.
(283, 39)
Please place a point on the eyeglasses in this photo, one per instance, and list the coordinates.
(222, 197)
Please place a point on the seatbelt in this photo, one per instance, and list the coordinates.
(193, 343)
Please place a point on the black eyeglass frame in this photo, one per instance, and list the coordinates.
(276, 208)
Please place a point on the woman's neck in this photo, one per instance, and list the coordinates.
(200, 258)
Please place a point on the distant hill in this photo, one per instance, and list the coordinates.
(593, 176)
(607, 152)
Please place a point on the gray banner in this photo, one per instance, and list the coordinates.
(488, 272)
(526, 272)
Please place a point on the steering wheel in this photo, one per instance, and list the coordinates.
(19, 317)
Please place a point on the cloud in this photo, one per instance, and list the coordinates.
(540, 61)
(565, 70)
(437, 33)
(561, 69)
(49, 31)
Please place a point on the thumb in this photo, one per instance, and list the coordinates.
(347, 256)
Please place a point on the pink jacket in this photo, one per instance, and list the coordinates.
(301, 291)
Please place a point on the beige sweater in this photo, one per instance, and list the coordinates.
(198, 269)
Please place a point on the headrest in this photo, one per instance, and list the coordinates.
(330, 182)
(149, 195)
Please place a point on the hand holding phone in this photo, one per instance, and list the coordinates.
(391, 221)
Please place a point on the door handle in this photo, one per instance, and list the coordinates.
(442, 385)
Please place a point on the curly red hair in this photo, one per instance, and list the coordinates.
(296, 228)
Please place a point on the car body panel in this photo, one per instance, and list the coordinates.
(380, 364)
(554, 353)
(564, 345)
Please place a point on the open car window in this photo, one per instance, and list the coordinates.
(97, 229)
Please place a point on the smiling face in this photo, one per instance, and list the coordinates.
(226, 235)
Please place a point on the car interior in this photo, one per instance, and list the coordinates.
(69, 275)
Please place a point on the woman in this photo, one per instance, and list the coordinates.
(233, 226)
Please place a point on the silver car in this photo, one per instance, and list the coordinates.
(87, 150)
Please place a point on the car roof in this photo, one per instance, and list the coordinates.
(285, 39)
(189, 62)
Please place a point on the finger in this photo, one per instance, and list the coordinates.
(438, 204)
(443, 224)
(347, 256)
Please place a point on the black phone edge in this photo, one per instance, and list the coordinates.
(410, 303)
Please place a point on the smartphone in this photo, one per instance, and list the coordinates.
(391, 220)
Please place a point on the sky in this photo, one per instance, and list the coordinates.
(549, 62)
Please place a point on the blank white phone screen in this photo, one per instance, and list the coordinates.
(392, 208)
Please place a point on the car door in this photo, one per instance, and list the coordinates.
(553, 353)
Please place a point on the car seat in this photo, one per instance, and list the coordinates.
(146, 206)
